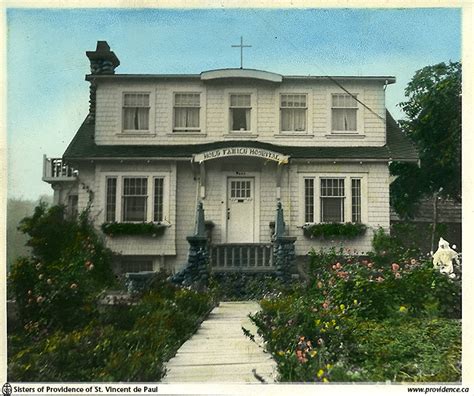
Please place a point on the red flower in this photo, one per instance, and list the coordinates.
(395, 267)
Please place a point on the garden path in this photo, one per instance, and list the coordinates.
(219, 351)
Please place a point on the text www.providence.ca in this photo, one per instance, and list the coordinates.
(438, 389)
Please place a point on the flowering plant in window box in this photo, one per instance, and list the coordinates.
(334, 230)
(146, 229)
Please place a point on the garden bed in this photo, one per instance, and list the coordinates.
(366, 320)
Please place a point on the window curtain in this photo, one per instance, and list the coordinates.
(247, 119)
(344, 120)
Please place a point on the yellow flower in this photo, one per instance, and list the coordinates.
(329, 366)
(313, 353)
(320, 373)
(402, 309)
(325, 380)
(318, 321)
(342, 306)
(356, 302)
(333, 322)
(281, 353)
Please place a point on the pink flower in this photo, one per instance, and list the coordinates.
(326, 304)
(334, 267)
(320, 341)
(379, 279)
(370, 265)
(413, 261)
(319, 285)
(40, 299)
(398, 275)
(395, 267)
(338, 265)
(73, 286)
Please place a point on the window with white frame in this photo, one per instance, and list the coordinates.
(240, 112)
(135, 199)
(332, 199)
(344, 112)
(293, 112)
(186, 111)
(136, 111)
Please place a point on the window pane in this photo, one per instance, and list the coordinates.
(158, 200)
(240, 100)
(309, 200)
(356, 201)
(136, 110)
(134, 198)
(187, 99)
(240, 119)
(111, 199)
(344, 119)
(332, 210)
(136, 265)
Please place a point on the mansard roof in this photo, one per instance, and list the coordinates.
(398, 148)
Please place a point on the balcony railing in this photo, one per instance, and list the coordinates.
(55, 169)
(245, 257)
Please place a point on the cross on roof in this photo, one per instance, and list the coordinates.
(242, 46)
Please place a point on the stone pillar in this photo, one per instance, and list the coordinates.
(283, 247)
(196, 272)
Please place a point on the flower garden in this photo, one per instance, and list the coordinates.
(388, 316)
(385, 316)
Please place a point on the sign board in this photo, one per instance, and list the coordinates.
(241, 151)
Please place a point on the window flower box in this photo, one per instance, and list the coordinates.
(133, 229)
(334, 230)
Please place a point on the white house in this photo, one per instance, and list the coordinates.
(237, 140)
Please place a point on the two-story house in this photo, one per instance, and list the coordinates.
(237, 140)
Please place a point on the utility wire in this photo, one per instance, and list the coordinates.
(324, 74)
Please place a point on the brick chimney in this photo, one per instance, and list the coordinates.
(103, 61)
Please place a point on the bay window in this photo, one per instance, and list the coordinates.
(333, 199)
(135, 198)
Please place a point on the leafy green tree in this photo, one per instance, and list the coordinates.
(433, 123)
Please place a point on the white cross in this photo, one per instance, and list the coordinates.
(242, 46)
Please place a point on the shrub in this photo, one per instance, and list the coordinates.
(362, 315)
(117, 229)
(127, 343)
(335, 230)
(57, 286)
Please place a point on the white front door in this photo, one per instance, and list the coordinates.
(240, 210)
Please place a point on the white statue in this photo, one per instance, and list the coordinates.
(444, 256)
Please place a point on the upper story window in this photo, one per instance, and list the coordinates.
(136, 111)
(240, 112)
(186, 111)
(293, 112)
(344, 113)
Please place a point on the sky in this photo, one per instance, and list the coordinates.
(47, 96)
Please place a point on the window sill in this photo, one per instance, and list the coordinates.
(132, 134)
(240, 135)
(293, 135)
(345, 135)
(186, 134)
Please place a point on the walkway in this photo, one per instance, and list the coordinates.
(219, 351)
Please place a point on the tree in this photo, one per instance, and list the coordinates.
(433, 124)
